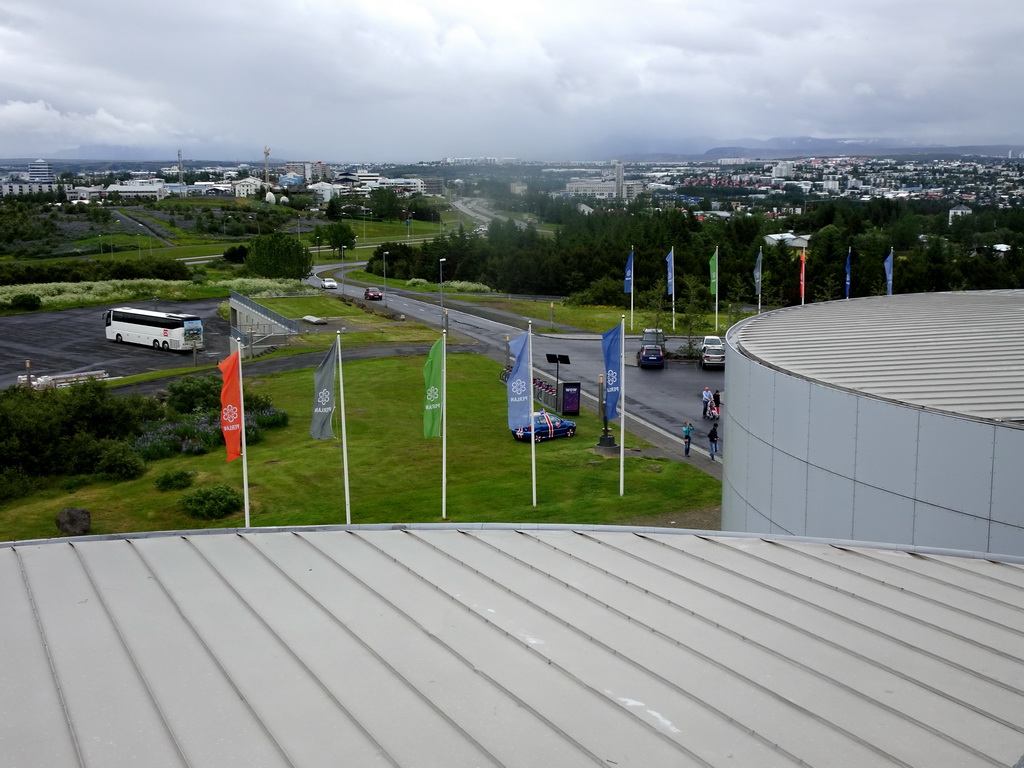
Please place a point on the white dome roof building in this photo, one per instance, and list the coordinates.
(890, 419)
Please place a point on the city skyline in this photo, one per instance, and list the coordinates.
(403, 82)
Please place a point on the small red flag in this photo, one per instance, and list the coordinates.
(231, 406)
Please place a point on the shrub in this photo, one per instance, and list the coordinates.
(175, 479)
(416, 282)
(26, 302)
(212, 502)
(194, 393)
(268, 418)
(119, 462)
(73, 483)
(14, 484)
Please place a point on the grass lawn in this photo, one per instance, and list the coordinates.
(395, 473)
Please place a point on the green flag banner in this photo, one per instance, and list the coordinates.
(432, 400)
(714, 272)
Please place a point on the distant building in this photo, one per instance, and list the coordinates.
(247, 187)
(152, 189)
(614, 189)
(40, 172)
(410, 186)
(26, 187)
(793, 241)
(517, 188)
(958, 210)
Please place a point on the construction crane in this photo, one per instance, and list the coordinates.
(266, 167)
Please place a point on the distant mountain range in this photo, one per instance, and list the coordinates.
(625, 148)
(809, 146)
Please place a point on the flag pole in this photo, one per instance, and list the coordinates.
(344, 434)
(622, 407)
(245, 453)
(672, 253)
(633, 285)
(533, 421)
(718, 274)
(444, 425)
(803, 275)
(760, 275)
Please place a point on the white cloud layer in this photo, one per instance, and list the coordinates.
(395, 80)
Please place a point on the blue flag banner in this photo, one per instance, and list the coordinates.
(629, 274)
(757, 274)
(847, 274)
(520, 385)
(611, 345)
(888, 274)
(670, 262)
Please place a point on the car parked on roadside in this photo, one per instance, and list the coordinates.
(373, 294)
(546, 426)
(328, 283)
(653, 336)
(712, 356)
(650, 356)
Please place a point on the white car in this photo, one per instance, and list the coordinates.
(328, 282)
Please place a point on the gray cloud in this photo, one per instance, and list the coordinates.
(393, 80)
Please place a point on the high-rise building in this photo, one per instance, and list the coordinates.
(40, 171)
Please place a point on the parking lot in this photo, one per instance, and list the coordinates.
(73, 341)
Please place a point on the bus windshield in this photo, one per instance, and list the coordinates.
(160, 330)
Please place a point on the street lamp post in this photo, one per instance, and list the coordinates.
(386, 278)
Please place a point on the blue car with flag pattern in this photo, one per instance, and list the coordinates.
(546, 427)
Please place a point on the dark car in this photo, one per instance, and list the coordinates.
(650, 356)
(653, 336)
(546, 426)
(373, 294)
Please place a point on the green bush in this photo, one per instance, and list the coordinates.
(212, 502)
(14, 484)
(119, 462)
(175, 479)
(26, 302)
(73, 483)
(195, 393)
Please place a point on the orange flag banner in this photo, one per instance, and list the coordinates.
(231, 405)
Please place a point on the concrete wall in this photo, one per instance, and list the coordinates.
(810, 460)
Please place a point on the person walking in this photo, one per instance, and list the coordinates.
(687, 434)
(706, 396)
(717, 397)
(713, 440)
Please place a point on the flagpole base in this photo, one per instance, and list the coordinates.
(606, 445)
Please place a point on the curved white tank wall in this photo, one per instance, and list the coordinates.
(808, 459)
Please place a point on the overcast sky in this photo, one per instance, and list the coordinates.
(388, 80)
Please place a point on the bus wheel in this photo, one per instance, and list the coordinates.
(156, 344)
(166, 346)
(118, 338)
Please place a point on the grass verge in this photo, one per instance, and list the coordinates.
(395, 474)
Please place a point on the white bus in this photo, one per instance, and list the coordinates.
(160, 330)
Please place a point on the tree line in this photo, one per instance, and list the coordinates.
(587, 256)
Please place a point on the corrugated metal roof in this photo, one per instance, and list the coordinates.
(496, 647)
(959, 352)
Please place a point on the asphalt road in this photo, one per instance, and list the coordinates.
(663, 399)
